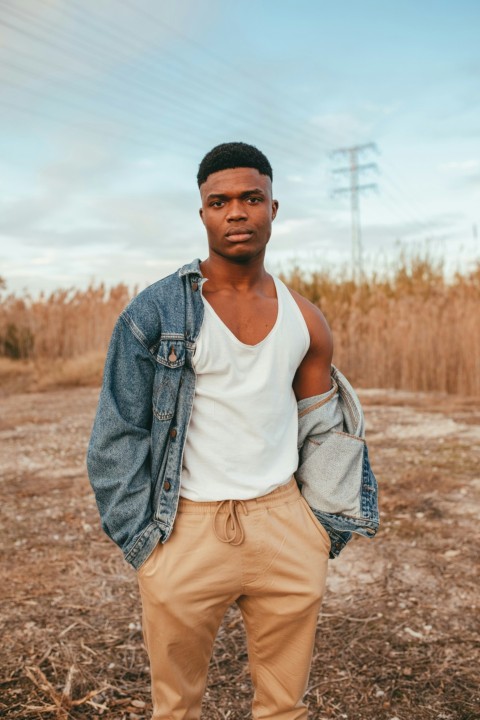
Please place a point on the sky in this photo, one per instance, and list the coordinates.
(108, 106)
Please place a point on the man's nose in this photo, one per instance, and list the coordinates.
(236, 210)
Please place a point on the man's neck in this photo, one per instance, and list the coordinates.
(222, 273)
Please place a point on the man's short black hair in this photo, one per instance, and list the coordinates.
(233, 155)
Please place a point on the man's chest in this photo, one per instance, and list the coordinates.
(249, 320)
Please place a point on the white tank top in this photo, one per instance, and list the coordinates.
(242, 439)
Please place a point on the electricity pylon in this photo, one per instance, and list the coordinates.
(354, 169)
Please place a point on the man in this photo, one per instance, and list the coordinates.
(194, 449)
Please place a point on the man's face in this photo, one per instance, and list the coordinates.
(237, 211)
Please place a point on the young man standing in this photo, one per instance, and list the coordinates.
(194, 450)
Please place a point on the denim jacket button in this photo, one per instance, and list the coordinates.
(173, 433)
(167, 485)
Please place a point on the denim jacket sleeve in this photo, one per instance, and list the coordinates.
(334, 473)
(118, 456)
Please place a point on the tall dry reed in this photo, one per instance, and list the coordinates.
(65, 324)
(411, 330)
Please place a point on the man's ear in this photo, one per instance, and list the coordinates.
(274, 209)
(200, 212)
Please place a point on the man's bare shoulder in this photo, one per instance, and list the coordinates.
(320, 333)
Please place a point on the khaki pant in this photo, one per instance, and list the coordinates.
(269, 556)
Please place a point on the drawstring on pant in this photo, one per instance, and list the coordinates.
(231, 525)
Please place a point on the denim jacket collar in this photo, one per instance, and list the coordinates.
(192, 268)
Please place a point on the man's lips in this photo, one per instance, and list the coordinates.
(239, 234)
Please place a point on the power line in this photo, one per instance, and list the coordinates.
(291, 128)
(414, 211)
(146, 127)
(171, 100)
(279, 132)
(150, 99)
(109, 133)
(403, 207)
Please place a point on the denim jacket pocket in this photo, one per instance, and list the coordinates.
(171, 351)
(170, 360)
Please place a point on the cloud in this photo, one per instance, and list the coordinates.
(461, 167)
(62, 190)
(474, 180)
(338, 126)
(293, 226)
(298, 179)
(94, 38)
(382, 109)
(464, 173)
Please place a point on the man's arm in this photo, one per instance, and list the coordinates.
(313, 374)
(118, 456)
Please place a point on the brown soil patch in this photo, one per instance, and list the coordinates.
(398, 638)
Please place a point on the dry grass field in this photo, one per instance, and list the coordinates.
(398, 637)
(408, 329)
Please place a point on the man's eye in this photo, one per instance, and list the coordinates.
(254, 200)
(216, 203)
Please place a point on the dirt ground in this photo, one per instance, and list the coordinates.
(398, 637)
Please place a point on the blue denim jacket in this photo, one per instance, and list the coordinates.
(134, 457)
(334, 473)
